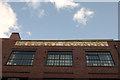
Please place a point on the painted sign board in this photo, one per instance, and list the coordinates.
(61, 43)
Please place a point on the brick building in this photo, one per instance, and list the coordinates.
(60, 59)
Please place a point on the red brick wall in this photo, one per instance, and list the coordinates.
(39, 70)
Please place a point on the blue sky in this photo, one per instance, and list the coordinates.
(47, 22)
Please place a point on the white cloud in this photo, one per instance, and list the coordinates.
(82, 16)
(64, 4)
(59, 4)
(33, 5)
(41, 13)
(8, 20)
(28, 33)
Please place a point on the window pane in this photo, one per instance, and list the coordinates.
(59, 58)
(99, 59)
(21, 58)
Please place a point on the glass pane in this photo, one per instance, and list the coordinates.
(99, 59)
(21, 58)
(56, 56)
(59, 58)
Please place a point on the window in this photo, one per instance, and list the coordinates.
(5, 78)
(59, 58)
(59, 79)
(13, 79)
(99, 59)
(21, 58)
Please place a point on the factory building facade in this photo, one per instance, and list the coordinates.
(60, 59)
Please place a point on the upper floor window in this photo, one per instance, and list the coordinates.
(21, 58)
(13, 79)
(59, 58)
(58, 79)
(99, 59)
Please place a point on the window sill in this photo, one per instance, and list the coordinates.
(100, 66)
(58, 66)
(18, 65)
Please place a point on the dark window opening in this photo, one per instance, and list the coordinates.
(14, 78)
(21, 58)
(104, 79)
(59, 58)
(59, 79)
(99, 59)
